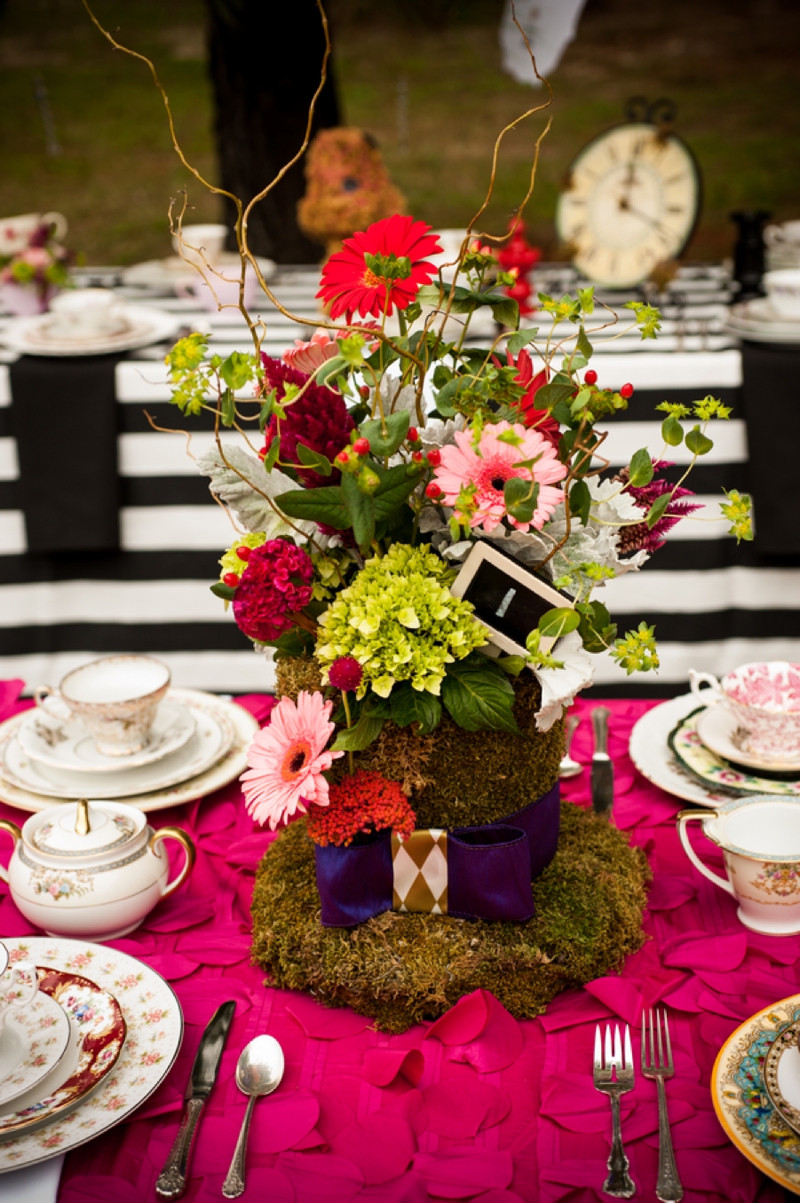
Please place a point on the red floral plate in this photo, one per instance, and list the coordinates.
(98, 1034)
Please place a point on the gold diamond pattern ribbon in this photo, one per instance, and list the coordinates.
(420, 871)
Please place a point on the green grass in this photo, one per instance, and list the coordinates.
(731, 69)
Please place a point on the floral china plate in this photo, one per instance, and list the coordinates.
(213, 735)
(224, 770)
(742, 1100)
(33, 1044)
(693, 755)
(154, 1023)
(718, 730)
(69, 746)
(650, 752)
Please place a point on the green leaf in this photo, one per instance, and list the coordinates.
(697, 442)
(237, 370)
(582, 399)
(580, 501)
(583, 346)
(478, 696)
(396, 430)
(352, 349)
(314, 459)
(513, 665)
(641, 469)
(411, 705)
(672, 432)
(551, 394)
(294, 642)
(521, 339)
(361, 509)
(270, 459)
(505, 312)
(265, 413)
(446, 396)
(316, 505)
(521, 498)
(559, 621)
(396, 485)
(228, 411)
(355, 739)
(586, 299)
(377, 707)
(596, 630)
(657, 509)
(224, 591)
(433, 294)
(331, 368)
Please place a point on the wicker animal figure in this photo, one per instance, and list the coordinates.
(347, 187)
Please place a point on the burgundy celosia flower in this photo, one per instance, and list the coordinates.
(274, 585)
(641, 537)
(319, 420)
(345, 673)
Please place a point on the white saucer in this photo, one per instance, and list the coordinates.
(717, 729)
(143, 325)
(164, 274)
(650, 752)
(759, 322)
(213, 736)
(68, 745)
(33, 1042)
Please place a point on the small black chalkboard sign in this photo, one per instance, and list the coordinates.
(509, 599)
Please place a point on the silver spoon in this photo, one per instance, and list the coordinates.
(259, 1071)
(568, 766)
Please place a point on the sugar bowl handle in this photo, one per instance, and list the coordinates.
(16, 835)
(175, 833)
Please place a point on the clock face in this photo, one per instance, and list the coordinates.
(632, 201)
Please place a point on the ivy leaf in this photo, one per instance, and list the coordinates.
(396, 485)
(446, 396)
(228, 408)
(317, 505)
(478, 696)
(396, 430)
(521, 498)
(657, 509)
(314, 459)
(355, 739)
(411, 705)
(521, 339)
(641, 469)
(271, 458)
(513, 665)
(505, 311)
(697, 442)
(559, 621)
(672, 432)
(583, 346)
(580, 501)
(265, 413)
(361, 509)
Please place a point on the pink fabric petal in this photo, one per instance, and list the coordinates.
(408, 1105)
(222, 944)
(325, 1023)
(281, 1121)
(260, 705)
(383, 1065)
(408, 1189)
(460, 1107)
(571, 1008)
(697, 950)
(179, 913)
(98, 1189)
(200, 997)
(321, 1176)
(463, 1022)
(171, 965)
(462, 1173)
(620, 995)
(213, 819)
(481, 1031)
(9, 695)
(249, 852)
(381, 1145)
(262, 1183)
(334, 1114)
(669, 891)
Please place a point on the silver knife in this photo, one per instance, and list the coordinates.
(602, 768)
(171, 1181)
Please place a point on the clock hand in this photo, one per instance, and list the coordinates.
(653, 221)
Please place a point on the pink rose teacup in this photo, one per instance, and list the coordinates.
(764, 698)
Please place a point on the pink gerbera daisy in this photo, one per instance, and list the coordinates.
(481, 472)
(287, 760)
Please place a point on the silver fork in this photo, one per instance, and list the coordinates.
(657, 1064)
(613, 1075)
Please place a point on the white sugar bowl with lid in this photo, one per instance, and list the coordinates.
(91, 871)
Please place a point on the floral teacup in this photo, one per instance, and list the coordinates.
(17, 986)
(764, 697)
(760, 841)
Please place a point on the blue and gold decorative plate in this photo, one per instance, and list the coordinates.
(741, 1099)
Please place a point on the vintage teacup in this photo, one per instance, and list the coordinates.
(85, 313)
(783, 291)
(785, 235)
(18, 985)
(115, 699)
(760, 841)
(200, 244)
(211, 290)
(764, 697)
(15, 232)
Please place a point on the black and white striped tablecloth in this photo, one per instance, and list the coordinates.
(714, 605)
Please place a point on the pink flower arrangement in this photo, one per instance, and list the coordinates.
(287, 760)
(480, 472)
(275, 584)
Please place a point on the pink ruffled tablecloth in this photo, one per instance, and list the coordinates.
(475, 1106)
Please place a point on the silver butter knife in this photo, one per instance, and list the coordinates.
(602, 768)
(171, 1181)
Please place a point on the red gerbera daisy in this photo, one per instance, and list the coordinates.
(536, 419)
(379, 267)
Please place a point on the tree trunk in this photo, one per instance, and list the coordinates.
(265, 61)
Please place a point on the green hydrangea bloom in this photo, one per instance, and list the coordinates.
(400, 621)
(230, 561)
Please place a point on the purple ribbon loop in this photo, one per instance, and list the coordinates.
(490, 868)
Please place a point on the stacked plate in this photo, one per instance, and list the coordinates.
(757, 321)
(98, 1039)
(697, 753)
(198, 743)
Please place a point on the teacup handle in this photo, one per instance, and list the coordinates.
(186, 842)
(42, 693)
(16, 835)
(697, 679)
(686, 816)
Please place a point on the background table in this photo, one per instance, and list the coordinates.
(513, 1116)
(715, 605)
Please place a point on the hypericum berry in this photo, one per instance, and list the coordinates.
(364, 391)
(343, 457)
(434, 490)
(361, 446)
(244, 553)
(434, 457)
(417, 457)
(590, 376)
(413, 434)
(231, 579)
(626, 391)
